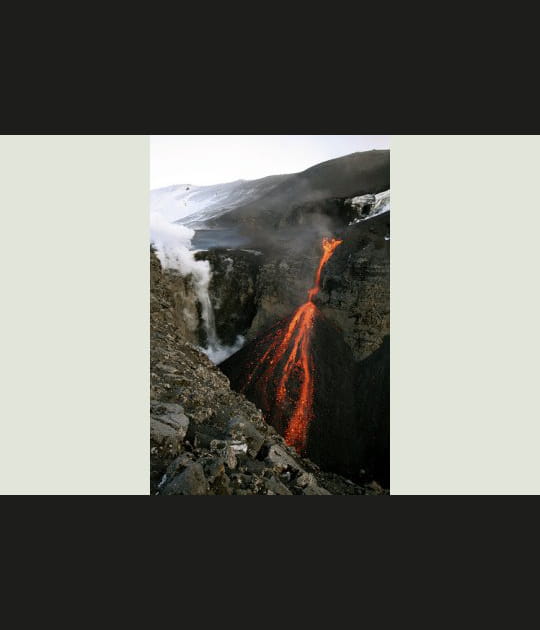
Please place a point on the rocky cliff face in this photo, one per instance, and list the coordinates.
(233, 290)
(206, 438)
(350, 430)
(263, 256)
(180, 308)
(355, 292)
(251, 292)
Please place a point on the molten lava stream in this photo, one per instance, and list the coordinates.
(294, 342)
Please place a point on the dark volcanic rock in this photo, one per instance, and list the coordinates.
(350, 427)
(241, 428)
(274, 486)
(282, 285)
(172, 415)
(254, 293)
(355, 288)
(348, 176)
(190, 481)
(168, 428)
(181, 308)
(350, 346)
(232, 290)
(281, 460)
(350, 431)
(220, 441)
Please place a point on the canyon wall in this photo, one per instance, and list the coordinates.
(350, 430)
(206, 438)
(263, 256)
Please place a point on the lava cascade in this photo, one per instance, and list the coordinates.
(288, 359)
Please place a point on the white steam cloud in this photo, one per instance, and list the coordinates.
(172, 243)
(219, 353)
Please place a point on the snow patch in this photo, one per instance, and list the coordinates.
(195, 204)
(381, 204)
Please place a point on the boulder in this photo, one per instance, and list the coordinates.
(243, 429)
(171, 415)
(305, 479)
(202, 435)
(178, 464)
(252, 466)
(221, 485)
(279, 459)
(224, 450)
(164, 438)
(314, 489)
(213, 468)
(190, 481)
(276, 487)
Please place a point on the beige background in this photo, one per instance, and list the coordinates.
(465, 315)
(74, 323)
(74, 320)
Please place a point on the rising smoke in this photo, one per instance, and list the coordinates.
(172, 243)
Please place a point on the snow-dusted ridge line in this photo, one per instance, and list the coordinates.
(189, 205)
(176, 212)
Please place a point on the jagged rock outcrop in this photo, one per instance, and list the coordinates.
(181, 308)
(350, 430)
(355, 292)
(206, 438)
(282, 285)
(233, 289)
(251, 294)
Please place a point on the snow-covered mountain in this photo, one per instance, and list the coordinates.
(190, 204)
(266, 203)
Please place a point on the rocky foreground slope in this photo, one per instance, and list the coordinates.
(206, 438)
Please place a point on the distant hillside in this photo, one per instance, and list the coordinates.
(190, 204)
(348, 176)
(268, 201)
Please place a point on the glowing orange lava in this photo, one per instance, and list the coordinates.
(294, 342)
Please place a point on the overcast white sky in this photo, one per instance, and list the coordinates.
(203, 160)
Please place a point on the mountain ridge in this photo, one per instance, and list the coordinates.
(266, 198)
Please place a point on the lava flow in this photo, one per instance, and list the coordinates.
(294, 342)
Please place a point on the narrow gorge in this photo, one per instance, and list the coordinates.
(270, 341)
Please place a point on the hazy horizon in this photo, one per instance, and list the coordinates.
(206, 160)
